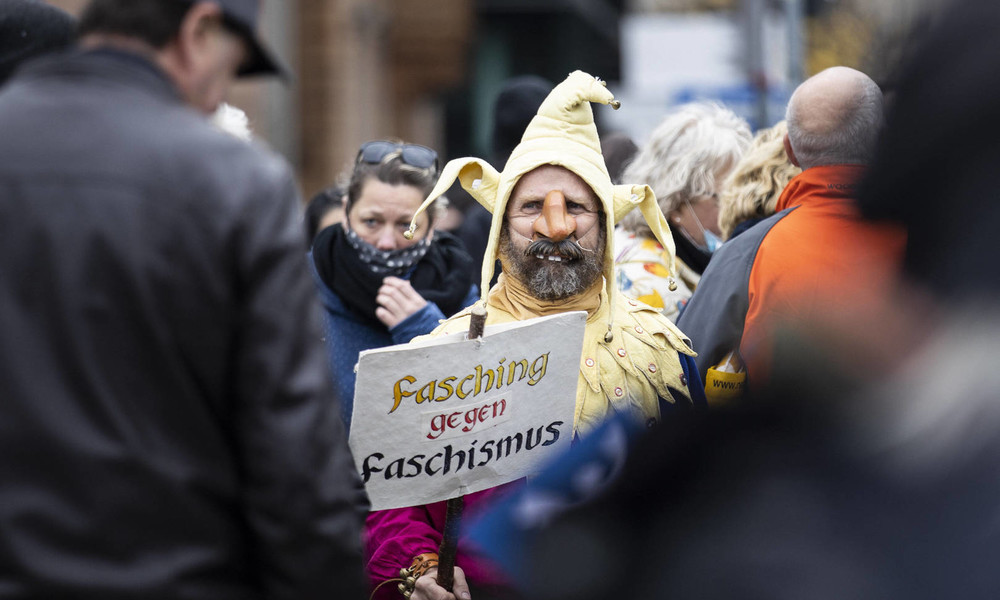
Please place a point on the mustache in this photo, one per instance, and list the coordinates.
(565, 248)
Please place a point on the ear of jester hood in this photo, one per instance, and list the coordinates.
(629, 197)
(481, 180)
(475, 175)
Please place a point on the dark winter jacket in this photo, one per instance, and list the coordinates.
(813, 258)
(167, 428)
(347, 336)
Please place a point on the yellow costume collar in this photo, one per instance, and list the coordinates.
(512, 296)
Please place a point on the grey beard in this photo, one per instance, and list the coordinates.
(556, 282)
(547, 280)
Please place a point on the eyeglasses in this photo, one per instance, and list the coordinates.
(414, 155)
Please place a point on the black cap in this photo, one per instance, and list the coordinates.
(515, 106)
(243, 16)
(29, 28)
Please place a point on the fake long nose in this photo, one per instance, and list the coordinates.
(555, 222)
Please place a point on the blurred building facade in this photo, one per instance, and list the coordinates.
(421, 71)
(362, 69)
(427, 72)
(374, 69)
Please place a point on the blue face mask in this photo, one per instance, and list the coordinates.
(712, 241)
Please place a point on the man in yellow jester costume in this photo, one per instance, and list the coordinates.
(554, 208)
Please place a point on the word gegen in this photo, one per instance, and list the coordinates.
(479, 381)
(465, 419)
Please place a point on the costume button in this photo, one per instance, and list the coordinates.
(621, 352)
(619, 392)
(652, 368)
(684, 379)
(589, 362)
(638, 329)
(650, 423)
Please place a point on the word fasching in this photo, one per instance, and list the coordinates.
(478, 382)
(450, 460)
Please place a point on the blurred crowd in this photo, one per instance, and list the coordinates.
(786, 386)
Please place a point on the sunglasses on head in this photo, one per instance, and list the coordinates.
(414, 155)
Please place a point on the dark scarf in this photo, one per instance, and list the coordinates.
(689, 252)
(443, 276)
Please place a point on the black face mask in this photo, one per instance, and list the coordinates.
(442, 274)
(396, 262)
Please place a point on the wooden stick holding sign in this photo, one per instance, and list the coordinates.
(453, 516)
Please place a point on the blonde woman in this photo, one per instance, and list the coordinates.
(752, 190)
(685, 161)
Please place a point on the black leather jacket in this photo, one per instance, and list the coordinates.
(167, 428)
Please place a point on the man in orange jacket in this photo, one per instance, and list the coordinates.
(814, 259)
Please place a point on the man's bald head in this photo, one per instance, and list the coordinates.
(834, 118)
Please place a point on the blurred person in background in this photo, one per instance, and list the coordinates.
(751, 192)
(619, 150)
(685, 161)
(168, 427)
(866, 467)
(31, 28)
(378, 287)
(749, 195)
(816, 255)
(326, 209)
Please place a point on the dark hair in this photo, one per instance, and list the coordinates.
(618, 150)
(393, 171)
(320, 204)
(155, 22)
(515, 106)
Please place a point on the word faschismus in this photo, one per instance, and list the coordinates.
(450, 460)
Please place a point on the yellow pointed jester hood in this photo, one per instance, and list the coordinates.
(562, 133)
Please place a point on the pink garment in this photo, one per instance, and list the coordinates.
(395, 536)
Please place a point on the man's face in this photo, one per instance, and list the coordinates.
(216, 56)
(553, 236)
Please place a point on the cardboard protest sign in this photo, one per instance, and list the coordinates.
(445, 417)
